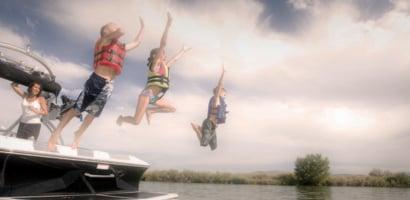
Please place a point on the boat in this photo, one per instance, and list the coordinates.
(29, 171)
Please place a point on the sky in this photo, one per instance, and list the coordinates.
(303, 76)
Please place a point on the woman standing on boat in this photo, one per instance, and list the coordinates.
(34, 107)
(157, 83)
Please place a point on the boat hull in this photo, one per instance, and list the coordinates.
(27, 169)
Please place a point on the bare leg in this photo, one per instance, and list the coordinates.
(52, 142)
(197, 130)
(86, 123)
(148, 116)
(162, 106)
(142, 104)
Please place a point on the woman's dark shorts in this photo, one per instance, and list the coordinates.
(28, 130)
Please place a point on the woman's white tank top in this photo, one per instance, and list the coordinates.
(30, 117)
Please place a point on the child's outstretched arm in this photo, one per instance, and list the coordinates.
(137, 40)
(219, 87)
(165, 34)
(178, 55)
(163, 39)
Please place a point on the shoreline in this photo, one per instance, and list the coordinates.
(373, 179)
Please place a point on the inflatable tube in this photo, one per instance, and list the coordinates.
(10, 71)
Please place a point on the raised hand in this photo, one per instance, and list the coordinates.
(141, 22)
(186, 48)
(169, 21)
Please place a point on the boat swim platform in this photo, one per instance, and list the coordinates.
(18, 146)
(29, 171)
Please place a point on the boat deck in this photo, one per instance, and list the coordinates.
(16, 146)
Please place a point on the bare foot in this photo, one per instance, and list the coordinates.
(197, 130)
(119, 120)
(76, 141)
(148, 115)
(75, 144)
(52, 143)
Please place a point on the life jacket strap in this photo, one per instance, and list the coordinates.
(111, 61)
(110, 51)
(161, 79)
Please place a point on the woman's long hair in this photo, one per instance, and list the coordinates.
(30, 88)
(152, 55)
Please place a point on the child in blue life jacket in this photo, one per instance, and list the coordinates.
(216, 115)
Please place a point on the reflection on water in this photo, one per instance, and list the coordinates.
(260, 192)
(308, 192)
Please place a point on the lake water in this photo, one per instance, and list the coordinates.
(255, 192)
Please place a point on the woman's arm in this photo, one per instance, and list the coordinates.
(137, 40)
(219, 87)
(163, 39)
(43, 104)
(18, 90)
(178, 55)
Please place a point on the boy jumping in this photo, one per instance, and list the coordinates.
(109, 54)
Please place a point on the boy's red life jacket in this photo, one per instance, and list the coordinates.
(111, 55)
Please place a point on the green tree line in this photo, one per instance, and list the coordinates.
(310, 170)
(260, 178)
(188, 176)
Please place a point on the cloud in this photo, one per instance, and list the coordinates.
(30, 23)
(303, 4)
(373, 9)
(69, 75)
(338, 88)
(10, 36)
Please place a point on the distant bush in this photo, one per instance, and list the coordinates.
(187, 176)
(400, 179)
(312, 170)
(380, 173)
(287, 179)
(376, 178)
(357, 181)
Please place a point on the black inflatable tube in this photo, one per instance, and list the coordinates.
(11, 72)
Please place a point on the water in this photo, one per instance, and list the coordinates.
(257, 192)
